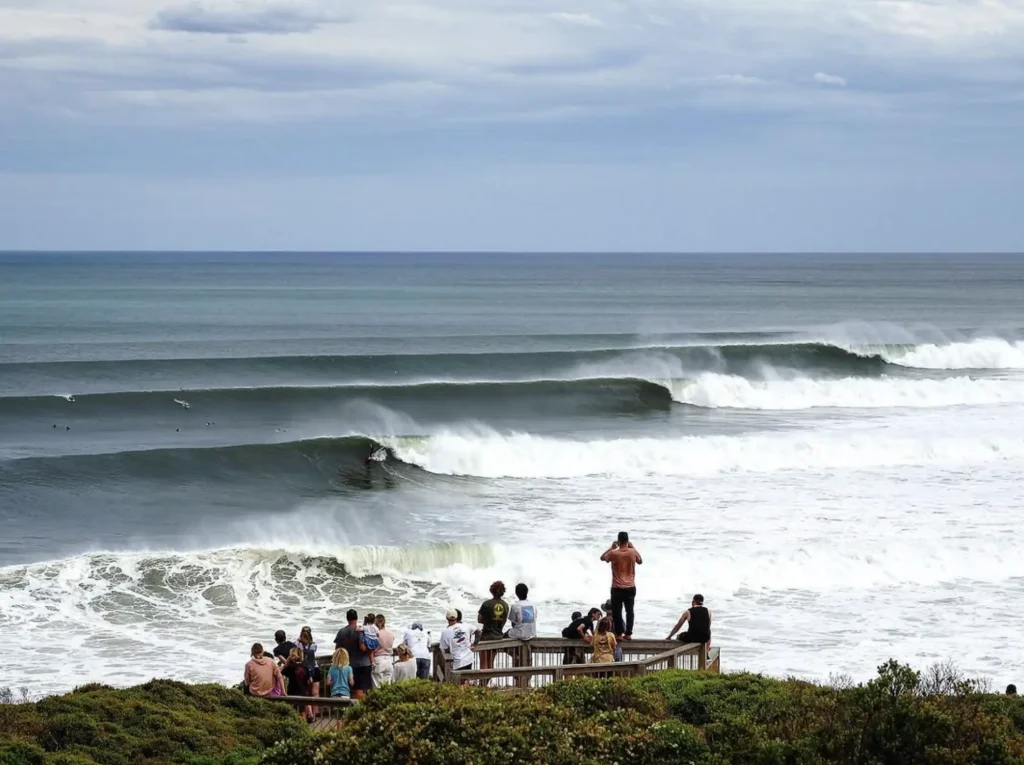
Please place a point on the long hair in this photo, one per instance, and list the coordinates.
(306, 636)
(340, 658)
(295, 655)
(604, 626)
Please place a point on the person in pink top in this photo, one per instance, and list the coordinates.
(262, 675)
(384, 656)
(624, 559)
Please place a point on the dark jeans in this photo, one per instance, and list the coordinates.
(620, 598)
(422, 669)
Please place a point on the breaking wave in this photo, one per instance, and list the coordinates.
(520, 455)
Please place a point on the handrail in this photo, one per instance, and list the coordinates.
(313, 701)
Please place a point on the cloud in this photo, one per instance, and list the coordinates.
(195, 18)
(578, 19)
(738, 79)
(829, 79)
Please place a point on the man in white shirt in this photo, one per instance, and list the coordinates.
(523, 616)
(456, 640)
(418, 643)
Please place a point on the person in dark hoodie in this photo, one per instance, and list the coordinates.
(297, 676)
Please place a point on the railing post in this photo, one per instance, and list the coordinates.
(702, 657)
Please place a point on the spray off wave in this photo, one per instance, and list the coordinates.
(714, 391)
(520, 455)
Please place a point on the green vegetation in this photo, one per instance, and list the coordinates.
(153, 724)
(900, 718)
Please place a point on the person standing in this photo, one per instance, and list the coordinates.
(283, 648)
(384, 656)
(624, 558)
(417, 641)
(295, 673)
(360, 661)
(699, 619)
(405, 667)
(455, 640)
(492, 616)
(308, 648)
(339, 676)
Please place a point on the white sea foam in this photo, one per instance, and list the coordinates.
(718, 391)
(983, 353)
(488, 454)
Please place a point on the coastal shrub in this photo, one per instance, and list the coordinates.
(159, 723)
(901, 717)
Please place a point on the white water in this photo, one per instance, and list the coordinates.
(824, 548)
(485, 453)
(717, 391)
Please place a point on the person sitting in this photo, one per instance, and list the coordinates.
(416, 639)
(339, 676)
(262, 675)
(523, 617)
(699, 619)
(283, 648)
(603, 643)
(578, 629)
(405, 667)
(492, 616)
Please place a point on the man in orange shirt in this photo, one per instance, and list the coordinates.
(624, 559)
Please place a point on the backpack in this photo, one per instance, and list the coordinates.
(309, 656)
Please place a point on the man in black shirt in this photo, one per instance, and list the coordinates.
(493, 615)
(699, 618)
(360, 661)
(580, 626)
(283, 647)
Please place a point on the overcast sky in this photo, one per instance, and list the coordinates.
(679, 125)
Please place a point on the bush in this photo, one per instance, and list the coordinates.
(158, 723)
(899, 718)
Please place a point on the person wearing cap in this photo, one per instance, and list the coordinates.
(416, 640)
(456, 641)
(699, 619)
(405, 667)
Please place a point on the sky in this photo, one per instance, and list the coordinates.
(512, 125)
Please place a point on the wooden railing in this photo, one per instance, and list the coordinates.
(541, 661)
(327, 711)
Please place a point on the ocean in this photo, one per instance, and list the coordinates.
(830, 448)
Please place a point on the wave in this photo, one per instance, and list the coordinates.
(713, 391)
(520, 455)
(593, 393)
(318, 464)
(429, 371)
(983, 353)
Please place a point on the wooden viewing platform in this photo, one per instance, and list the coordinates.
(521, 666)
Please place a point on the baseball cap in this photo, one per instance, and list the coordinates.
(451, 614)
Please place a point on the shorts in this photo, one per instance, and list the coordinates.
(686, 637)
(314, 675)
(362, 678)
